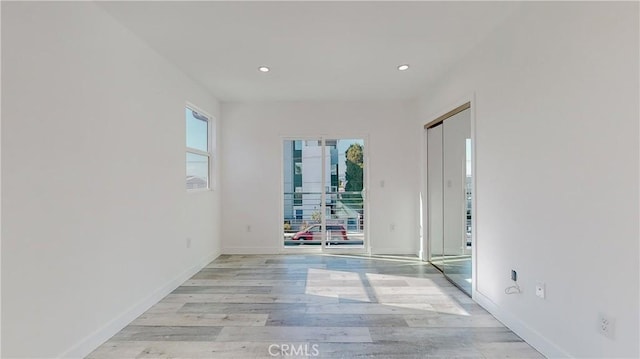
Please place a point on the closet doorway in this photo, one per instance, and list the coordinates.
(449, 195)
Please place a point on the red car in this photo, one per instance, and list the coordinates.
(313, 232)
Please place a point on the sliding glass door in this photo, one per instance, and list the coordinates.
(449, 188)
(324, 194)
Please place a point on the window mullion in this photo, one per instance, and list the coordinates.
(198, 152)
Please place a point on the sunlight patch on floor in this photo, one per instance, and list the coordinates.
(336, 284)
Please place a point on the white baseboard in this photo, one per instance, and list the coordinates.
(393, 251)
(251, 250)
(298, 250)
(95, 339)
(542, 344)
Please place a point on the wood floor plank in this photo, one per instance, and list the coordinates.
(245, 308)
(337, 320)
(168, 333)
(342, 306)
(200, 319)
(222, 289)
(296, 334)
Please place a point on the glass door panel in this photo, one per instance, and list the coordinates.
(302, 192)
(344, 193)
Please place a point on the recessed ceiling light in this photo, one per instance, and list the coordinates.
(263, 69)
(404, 67)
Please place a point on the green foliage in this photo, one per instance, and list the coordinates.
(355, 154)
(355, 165)
(354, 176)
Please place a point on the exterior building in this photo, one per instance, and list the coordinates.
(303, 180)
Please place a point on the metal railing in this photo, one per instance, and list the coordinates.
(344, 218)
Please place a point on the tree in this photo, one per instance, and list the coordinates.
(354, 174)
(315, 216)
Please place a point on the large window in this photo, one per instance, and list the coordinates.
(198, 150)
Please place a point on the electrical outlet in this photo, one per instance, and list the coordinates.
(540, 289)
(606, 325)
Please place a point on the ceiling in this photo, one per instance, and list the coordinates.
(316, 50)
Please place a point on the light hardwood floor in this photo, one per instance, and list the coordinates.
(325, 306)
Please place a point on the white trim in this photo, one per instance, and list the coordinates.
(198, 190)
(346, 250)
(316, 250)
(542, 344)
(323, 193)
(474, 198)
(426, 243)
(213, 151)
(102, 334)
(301, 250)
(392, 251)
(281, 196)
(367, 199)
(250, 250)
(420, 250)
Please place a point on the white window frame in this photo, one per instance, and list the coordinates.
(211, 123)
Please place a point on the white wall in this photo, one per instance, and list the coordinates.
(94, 209)
(252, 168)
(556, 111)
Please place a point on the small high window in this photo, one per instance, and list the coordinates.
(198, 150)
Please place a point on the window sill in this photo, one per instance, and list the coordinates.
(199, 190)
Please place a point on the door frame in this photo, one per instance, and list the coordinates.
(434, 119)
(366, 249)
